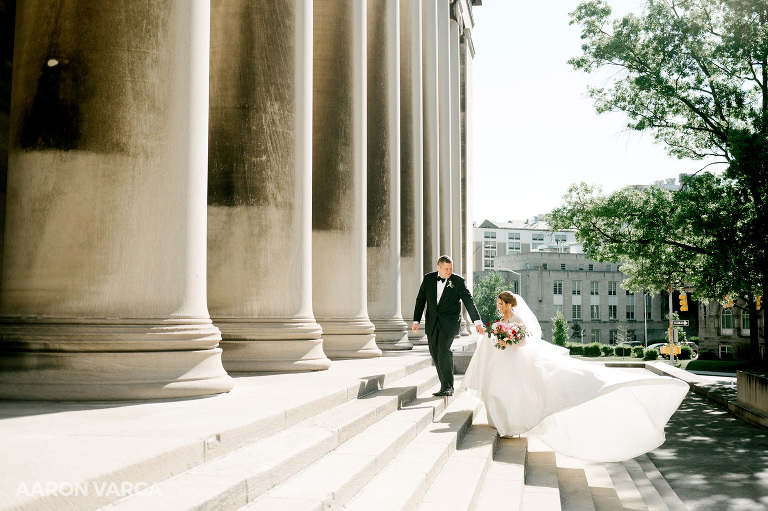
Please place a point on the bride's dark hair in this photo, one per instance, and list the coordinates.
(508, 297)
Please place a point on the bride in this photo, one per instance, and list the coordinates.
(580, 409)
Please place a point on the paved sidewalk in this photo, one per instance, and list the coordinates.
(713, 460)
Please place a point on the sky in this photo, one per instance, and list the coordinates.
(535, 130)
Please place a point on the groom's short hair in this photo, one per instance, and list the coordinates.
(444, 259)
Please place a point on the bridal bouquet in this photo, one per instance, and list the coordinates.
(507, 333)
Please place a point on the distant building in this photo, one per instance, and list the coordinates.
(586, 292)
(725, 332)
(495, 239)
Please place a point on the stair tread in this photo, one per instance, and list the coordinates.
(648, 492)
(662, 486)
(541, 491)
(503, 488)
(625, 487)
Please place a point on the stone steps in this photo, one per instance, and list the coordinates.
(336, 479)
(400, 448)
(232, 480)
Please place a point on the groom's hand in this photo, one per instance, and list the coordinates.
(415, 328)
(480, 329)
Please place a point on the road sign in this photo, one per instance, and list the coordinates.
(679, 322)
(676, 350)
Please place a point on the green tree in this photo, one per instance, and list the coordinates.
(486, 291)
(694, 73)
(560, 329)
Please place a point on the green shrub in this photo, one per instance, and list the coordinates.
(576, 348)
(651, 354)
(637, 351)
(694, 338)
(622, 350)
(592, 349)
(607, 350)
(686, 353)
(708, 355)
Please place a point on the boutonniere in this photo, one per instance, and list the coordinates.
(449, 283)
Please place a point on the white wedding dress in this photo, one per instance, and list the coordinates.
(580, 409)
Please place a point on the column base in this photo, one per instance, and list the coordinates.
(349, 338)
(391, 335)
(94, 376)
(63, 359)
(258, 345)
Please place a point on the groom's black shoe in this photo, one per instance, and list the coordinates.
(447, 392)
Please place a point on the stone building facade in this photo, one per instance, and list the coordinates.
(197, 187)
(586, 292)
(725, 332)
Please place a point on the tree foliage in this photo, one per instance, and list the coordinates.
(694, 74)
(559, 329)
(486, 291)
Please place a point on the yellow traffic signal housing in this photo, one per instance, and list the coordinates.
(758, 302)
(728, 302)
(683, 302)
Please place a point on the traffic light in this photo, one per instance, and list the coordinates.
(758, 302)
(728, 302)
(683, 302)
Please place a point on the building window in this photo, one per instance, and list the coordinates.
(591, 267)
(594, 288)
(558, 308)
(576, 287)
(537, 236)
(544, 266)
(648, 306)
(726, 321)
(576, 311)
(489, 235)
(725, 349)
(513, 246)
(612, 336)
(613, 312)
(581, 267)
(562, 266)
(513, 235)
(611, 289)
(630, 311)
(558, 287)
(488, 264)
(560, 238)
(745, 323)
(631, 335)
(608, 267)
(595, 335)
(594, 312)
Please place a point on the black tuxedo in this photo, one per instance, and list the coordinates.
(443, 320)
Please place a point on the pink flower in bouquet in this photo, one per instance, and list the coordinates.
(507, 334)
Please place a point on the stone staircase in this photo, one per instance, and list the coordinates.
(399, 447)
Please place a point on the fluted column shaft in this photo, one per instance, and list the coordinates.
(466, 55)
(411, 160)
(104, 278)
(431, 119)
(339, 179)
(444, 130)
(259, 193)
(384, 175)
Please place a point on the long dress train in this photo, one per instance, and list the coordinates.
(580, 409)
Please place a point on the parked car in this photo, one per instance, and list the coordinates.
(630, 343)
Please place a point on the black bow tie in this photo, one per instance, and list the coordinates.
(440, 279)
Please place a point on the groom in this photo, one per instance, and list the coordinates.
(441, 291)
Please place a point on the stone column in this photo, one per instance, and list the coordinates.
(431, 125)
(411, 162)
(455, 97)
(444, 130)
(259, 191)
(104, 278)
(468, 260)
(384, 175)
(339, 179)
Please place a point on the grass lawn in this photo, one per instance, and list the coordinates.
(721, 366)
